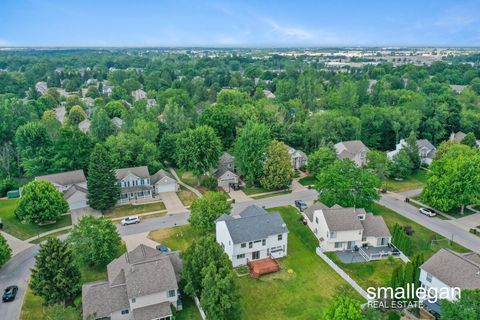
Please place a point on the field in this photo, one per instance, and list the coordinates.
(25, 231)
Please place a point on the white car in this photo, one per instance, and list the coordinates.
(428, 212)
(130, 220)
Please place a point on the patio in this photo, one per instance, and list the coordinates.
(367, 254)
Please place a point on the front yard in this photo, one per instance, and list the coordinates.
(186, 196)
(133, 209)
(273, 194)
(254, 190)
(308, 180)
(415, 181)
(25, 231)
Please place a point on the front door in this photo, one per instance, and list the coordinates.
(255, 255)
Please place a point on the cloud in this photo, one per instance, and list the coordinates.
(5, 43)
(287, 31)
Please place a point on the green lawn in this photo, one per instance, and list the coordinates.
(176, 238)
(272, 194)
(130, 209)
(51, 235)
(422, 237)
(254, 190)
(189, 311)
(415, 181)
(24, 231)
(307, 181)
(187, 177)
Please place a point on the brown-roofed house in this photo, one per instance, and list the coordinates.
(72, 184)
(354, 150)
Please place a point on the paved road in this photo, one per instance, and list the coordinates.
(146, 225)
(16, 272)
(442, 227)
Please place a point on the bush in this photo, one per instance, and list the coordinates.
(210, 183)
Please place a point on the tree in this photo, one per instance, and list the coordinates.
(103, 193)
(277, 170)
(377, 162)
(347, 185)
(467, 307)
(5, 251)
(95, 241)
(344, 308)
(115, 109)
(411, 148)
(49, 120)
(401, 166)
(40, 202)
(55, 277)
(454, 180)
(470, 140)
(222, 299)
(197, 150)
(320, 159)
(72, 148)
(205, 210)
(76, 115)
(249, 150)
(101, 127)
(174, 117)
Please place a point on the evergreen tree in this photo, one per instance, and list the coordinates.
(55, 277)
(411, 149)
(103, 193)
(277, 170)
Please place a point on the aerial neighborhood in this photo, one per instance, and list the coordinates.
(223, 183)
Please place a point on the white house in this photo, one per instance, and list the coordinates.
(354, 150)
(426, 150)
(164, 181)
(142, 285)
(134, 184)
(253, 234)
(298, 158)
(339, 229)
(72, 184)
(449, 269)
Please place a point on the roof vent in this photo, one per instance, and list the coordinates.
(284, 225)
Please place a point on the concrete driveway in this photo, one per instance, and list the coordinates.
(15, 244)
(172, 202)
(467, 222)
(134, 240)
(239, 196)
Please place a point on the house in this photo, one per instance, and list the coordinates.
(60, 113)
(449, 269)
(268, 94)
(297, 157)
(457, 136)
(88, 101)
(134, 184)
(339, 229)
(225, 172)
(41, 87)
(84, 126)
(106, 89)
(354, 150)
(426, 150)
(139, 94)
(164, 181)
(252, 235)
(457, 88)
(72, 184)
(151, 103)
(141, 285)
(117, 122)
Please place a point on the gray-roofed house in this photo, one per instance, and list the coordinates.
(252, 235)
(72, 184)
(164, 181)
(354, 150)
(84, 126)
(449, 269)
(139, 94)
(117, 122)
(141, 285)
(134, 184)
(225, 172)
(297, 157)
(426, 150)
(457, 136)
(339, 229)
(60, 113)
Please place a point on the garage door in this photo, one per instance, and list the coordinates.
(171, 187)
(78, 204)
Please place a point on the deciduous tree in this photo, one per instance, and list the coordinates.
(205, 210)
(277, 170)
(5, 251)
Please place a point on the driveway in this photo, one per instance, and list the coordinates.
(134, 240)
(297, 186)
(172, 202)
(15, 244)
(467, 222)
(239, 196)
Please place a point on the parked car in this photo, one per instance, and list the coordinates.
(301, 205)
(162, 248)
(10, 293)
(428, 212)
(130, 220)
(235, 186)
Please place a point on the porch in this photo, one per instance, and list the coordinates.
(137, 193)
(363, 254)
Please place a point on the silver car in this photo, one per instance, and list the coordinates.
(130, 220)
(428, 212)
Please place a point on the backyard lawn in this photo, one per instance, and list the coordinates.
(131, 209)
(307, 181)
(187, 177)
(422, 237)
(415, 181)
(189, 311)
(24, 231)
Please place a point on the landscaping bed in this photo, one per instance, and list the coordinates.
(25, 231)
(131, 209)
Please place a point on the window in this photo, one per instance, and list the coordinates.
(280, 237)
(171, 293)
(333, 235)
(125, 311)
(276, 249)
(257, 241)
(240, 256)
(316, 220)
(429, 277)
(264, 242)
(243, 245)
(338, 245)
(250, 244)
(134, 300)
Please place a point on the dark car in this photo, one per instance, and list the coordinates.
(301, 205)
(235, 186)
(10, 293)
(162, 248)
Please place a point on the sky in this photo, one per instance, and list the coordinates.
(248, 23)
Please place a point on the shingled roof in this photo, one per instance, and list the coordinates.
(141, 172)
(65, 178)
(343, 219)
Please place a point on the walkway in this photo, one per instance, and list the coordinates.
(41, 235)
(297, 186)
(180, 182)
(15, 244)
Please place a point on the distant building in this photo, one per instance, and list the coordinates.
(354, 150)
(84, 126)
(41, 87)
(297, 158)
(225, 172)
(139, 94)
(72, 184)
(426, 150)
(117, 122)
(60, 113)
(268, 94)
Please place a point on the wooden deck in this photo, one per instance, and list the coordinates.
(263, 266)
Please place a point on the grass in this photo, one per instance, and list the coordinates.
(307, 181)
(51, 235)
(369, 274)
(254, 190)
(189, 311)
(176, 238)
(187, 177)
(186, 196)
(422, 237)
(415, 181)
(272, 194)
(24, 231)
(131, 209)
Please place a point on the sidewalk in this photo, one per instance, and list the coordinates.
(16, 244)
(41, 235)
(180, 182)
